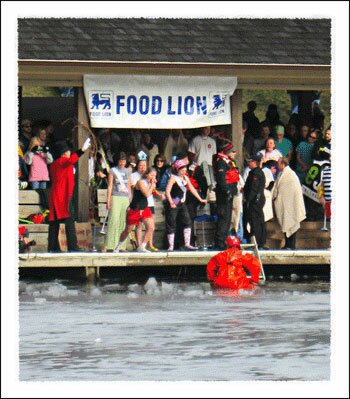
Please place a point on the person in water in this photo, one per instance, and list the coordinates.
(228, 269)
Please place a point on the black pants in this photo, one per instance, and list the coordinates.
(174, 216)
(192, 206)
(254, 215)
(224, 212)
(290, 241)
(54, 227)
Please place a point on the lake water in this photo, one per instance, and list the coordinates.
(161, 331)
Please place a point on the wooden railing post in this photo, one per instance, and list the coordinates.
(83, 176)
(237, 131)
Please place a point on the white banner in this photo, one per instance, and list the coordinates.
(158, 102)
(309, 193)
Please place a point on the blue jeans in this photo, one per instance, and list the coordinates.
(34, 185)
(240, 231)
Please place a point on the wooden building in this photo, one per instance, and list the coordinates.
(268, 54)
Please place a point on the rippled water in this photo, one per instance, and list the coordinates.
(174, 332)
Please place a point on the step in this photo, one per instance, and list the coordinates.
(303, 234)
(274, 225)
(301, 243)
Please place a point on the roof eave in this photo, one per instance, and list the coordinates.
(165, 63)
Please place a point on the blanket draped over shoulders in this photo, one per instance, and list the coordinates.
(288, 201)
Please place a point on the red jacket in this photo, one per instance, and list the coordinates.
(62, 186)
(226, 269)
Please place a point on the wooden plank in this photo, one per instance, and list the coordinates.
(28, 197)
(176, 258)
(102, 210)
(25, 210)
(36, 228)
(101, 195)
(256, 77)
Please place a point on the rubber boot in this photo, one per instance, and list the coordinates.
(187, 239)
(171, 238)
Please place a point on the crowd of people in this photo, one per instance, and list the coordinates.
(185, 169)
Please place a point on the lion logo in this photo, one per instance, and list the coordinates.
(102, 99)
(219, 101)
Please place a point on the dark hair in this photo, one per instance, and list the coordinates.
(140, 160)
(181, 155)
(161, 157)
(270, 163)
(252, 104)
(317, 131)
(118, 156)
(264, 124)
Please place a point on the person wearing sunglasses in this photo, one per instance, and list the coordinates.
(25, 135)
(163, 171)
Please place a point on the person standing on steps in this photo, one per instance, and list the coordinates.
(175, 208)
(62, 186)
(118, 199)
(254, 201)
(227, 178)
(139, 211)
(287, 197)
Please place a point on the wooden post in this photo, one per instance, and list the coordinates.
(237, 130)
(82, 210)
(91, 274)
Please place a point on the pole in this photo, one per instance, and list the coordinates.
(324, 228)
(102, 231)
(94, 249)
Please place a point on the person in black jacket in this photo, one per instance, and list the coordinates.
(254, 201)
(199, 182)
(227, 177)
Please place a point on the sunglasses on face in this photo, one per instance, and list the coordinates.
(313, 137)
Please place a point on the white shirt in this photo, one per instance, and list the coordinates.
(204, 148)
(150, 198)
(134, 178)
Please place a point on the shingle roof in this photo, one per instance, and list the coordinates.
(252, 41)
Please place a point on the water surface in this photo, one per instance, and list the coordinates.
(174, 332)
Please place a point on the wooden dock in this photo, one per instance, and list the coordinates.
(93, 261)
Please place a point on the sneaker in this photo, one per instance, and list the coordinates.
(140, 249)
(153, 249)
(116, 250)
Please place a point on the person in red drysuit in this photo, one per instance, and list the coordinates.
(62, 186)
(227, 268)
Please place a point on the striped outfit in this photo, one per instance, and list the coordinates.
(326, 180)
